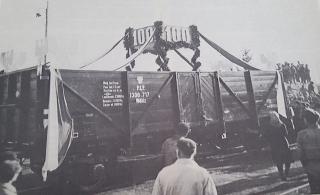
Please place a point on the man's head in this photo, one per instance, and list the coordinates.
(9, 171)
(183, 129)
(311, 117)
(187, 148)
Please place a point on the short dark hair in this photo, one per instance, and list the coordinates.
(311, 116)
(186, 146)
(182, 128)
(8, 169)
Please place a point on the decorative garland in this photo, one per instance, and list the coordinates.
(161, 47)
(128, 44)
(194, 58)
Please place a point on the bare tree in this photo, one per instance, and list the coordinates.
(246, 56)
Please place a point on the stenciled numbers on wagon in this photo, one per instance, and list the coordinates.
(139, 94)
(170, 33)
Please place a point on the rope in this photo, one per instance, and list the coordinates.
(227, 55)
(136, 54)
(103, 55)
(183, 57)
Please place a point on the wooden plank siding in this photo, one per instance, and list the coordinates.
(145, 105)
(18, 113)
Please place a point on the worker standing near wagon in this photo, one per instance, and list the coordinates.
(309, 149)
(276, 134)
(169, 146)
(184, 176)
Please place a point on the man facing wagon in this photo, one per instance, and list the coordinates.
(169, 146)
(185, 176)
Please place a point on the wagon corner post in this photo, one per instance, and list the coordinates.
(252, 103)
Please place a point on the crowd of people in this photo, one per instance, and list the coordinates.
(182, 175)
(293, 73)
(299, 86)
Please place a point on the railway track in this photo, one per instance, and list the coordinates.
(237, 172)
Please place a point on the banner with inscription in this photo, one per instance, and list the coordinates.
(176, 37)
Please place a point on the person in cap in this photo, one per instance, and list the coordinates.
(169, 146)
(184, 176)
(308, 141)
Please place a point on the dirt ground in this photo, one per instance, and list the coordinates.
(236, 173)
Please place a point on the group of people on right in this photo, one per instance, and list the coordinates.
(308, 146)
(182, 175)
(293, 73)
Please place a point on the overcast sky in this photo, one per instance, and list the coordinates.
(81, 30)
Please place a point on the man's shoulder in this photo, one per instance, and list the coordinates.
(204, 171)
(170, 140)
(166, 170)
(302, 132)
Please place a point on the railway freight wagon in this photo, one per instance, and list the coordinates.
(118, 120)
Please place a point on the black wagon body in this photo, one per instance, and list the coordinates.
(121, 118)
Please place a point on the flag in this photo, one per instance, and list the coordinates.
(280, 97)
(60, 125)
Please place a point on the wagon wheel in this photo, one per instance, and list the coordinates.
(99, 178)
(84, 178)
(87, 178)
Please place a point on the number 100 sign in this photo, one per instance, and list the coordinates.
(171, 34)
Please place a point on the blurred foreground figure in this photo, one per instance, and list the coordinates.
(169, 146)
(185, 176)
(276, 134)
(9, 172)
(309, 149)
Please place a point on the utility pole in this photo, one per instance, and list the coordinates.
(46, 34)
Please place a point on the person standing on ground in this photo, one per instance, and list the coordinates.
(309, 149)
(169, 146)
(276, 134)
(9, 172)
(307, 73)
(293, 73)
(185, 176)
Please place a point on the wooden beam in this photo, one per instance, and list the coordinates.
(218, 100)
(234, 96)
(252, 100)
(184, 58)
